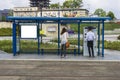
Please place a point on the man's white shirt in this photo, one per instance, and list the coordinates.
(90, 36)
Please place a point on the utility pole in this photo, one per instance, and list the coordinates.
(40, 7)
(58, 9)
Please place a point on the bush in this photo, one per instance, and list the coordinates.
(118, 37)
(115, 45)
(72, 41)
(5, 32)
(6, 45)
(108, 26)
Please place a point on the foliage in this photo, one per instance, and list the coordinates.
(6, 45)
(108, 26)
(10, 13)
(100, 12)
(67, 4)
(107, 44)
(3, 18)
(115, 45)
(111, 15)
(72, 4)
(5, 32)
(118, 37)
(111, 26)
(77, 3)
(74, 27)
(72, 41)
(54, 5)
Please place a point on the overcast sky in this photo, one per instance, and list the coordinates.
(92, 5)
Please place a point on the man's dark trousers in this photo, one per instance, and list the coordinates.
(90, 47)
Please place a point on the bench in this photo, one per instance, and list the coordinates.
(58, 50)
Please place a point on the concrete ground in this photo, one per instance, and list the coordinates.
(109, 55)
(59, 70)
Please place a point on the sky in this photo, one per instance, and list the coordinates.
(91, 5)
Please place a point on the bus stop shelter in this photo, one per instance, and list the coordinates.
(59, 20)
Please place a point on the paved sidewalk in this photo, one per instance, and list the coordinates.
(109, 55)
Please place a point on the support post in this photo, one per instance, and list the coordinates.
(59, 37)
(103, 38)
(98, 38)
(18, 38)
(41, 29)
(38, 35)
(14, 39)
(79, 38)
(74, 52)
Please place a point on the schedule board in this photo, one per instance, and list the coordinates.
(28, 31)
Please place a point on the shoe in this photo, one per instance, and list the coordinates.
(93, 56)
(89, 56)
(62, 56)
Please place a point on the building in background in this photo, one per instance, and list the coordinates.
(40, 3)
(49, 29)
(35, 12)
(25, 11)
(40, 8)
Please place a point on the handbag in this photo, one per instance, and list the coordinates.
(67, 44)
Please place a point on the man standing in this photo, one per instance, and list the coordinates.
(90, 37)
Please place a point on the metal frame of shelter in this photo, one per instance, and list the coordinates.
(59, 20)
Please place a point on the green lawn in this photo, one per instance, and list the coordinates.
(108, 26)
(6, 45)
(5, 32)
(115, 45)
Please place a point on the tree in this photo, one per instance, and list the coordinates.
(77, 3)
(111, 15)
(3, 18)
(67, 4)
(100, 12)
(10, 13)
(72, 4)
(54, 5)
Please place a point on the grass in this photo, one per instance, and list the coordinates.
(72, 41)
(112, 26)
(6, 45)
(30, 46)
(5, 32)
(108, 26)
(115, 45)
(74, 27)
